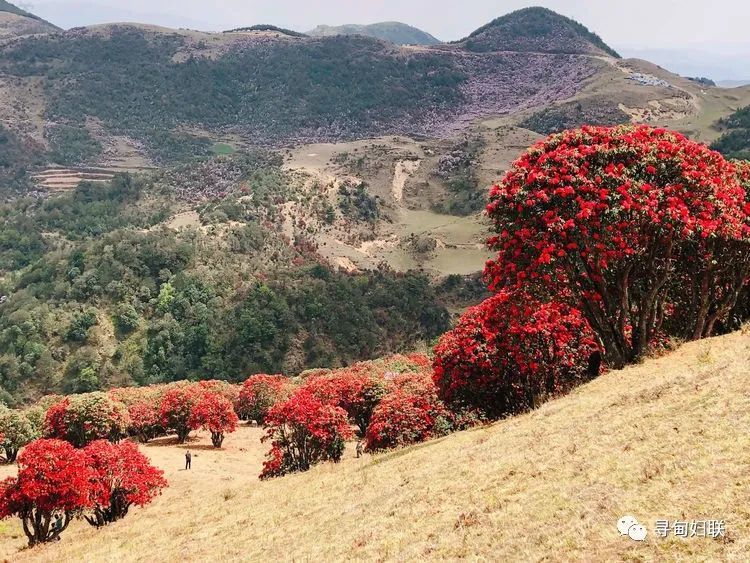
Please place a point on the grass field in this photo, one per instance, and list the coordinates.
(668, 439)
(222, 149)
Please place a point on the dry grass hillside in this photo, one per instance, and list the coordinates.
(668, 439)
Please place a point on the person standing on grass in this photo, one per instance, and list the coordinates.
(57, 527)
(188, 460)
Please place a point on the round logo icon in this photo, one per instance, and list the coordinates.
(624, 523)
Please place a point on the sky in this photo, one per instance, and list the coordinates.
(691, 37)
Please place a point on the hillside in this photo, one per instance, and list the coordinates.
(667, 439)
(536, 30)
(393, 32)
(15, 22)
(735, 134)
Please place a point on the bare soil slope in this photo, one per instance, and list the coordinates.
(668, 439)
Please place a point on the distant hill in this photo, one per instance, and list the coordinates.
(537, 30)
(15, 22)
(735, 140)
(394, 32)
(732, 83)
(266, 27)
(271, 89)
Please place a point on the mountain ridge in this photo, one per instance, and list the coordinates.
(391, 31)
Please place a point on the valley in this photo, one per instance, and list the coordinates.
(399, 298)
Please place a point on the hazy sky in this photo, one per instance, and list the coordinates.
(677, 32)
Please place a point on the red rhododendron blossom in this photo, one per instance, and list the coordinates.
(176, 408)
(54, 480)
(411, 413)
(214, 413)
(509, 352)
(304, 431)
(80, 419)
(124, 477)
(357, 390)
(259, 393)
(619, 218)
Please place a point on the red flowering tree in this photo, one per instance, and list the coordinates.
(229, 391)
(145, 420)
(259, 393)
(143, 407)
(54, 480)
(611, 216)
(215, 413)
(411, 413)
(176, 409)
(80, 419)
(509, 352)
(357, 390)
(303, 431)
(123, 477)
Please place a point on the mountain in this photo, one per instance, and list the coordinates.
(394, 32)
(267, 87)
(537, 30)
(665, 439)
(15, 22)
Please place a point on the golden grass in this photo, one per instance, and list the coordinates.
(668, 439)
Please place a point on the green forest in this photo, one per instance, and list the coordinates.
(97, 292)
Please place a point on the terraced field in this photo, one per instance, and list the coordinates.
(60, 179)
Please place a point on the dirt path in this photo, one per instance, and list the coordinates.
(404, 169)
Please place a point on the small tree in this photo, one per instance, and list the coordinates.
(176, 410)
(54, 480)
(410, 413)
(17, 431)
(143, 408)
(215, 413)
(145, 421)
(303, 431)
(259, 393)
(124, 477)
(81, 419)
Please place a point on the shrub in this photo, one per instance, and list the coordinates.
(80, 324)
(303, 431)
(124, 477)
(81, 419)
(16, 430)
(176, 409)
(215, 413)
(54, 480)
(259, 393)
(411, 413)
(126, 318)
(509, 352)
(619, 218)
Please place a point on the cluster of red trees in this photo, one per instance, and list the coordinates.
(57, 482)
(180, 408)
(84, 468)
(609, 237)
(390, 402)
